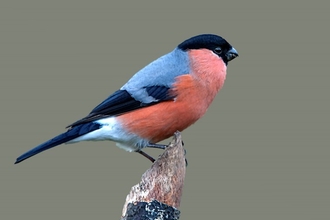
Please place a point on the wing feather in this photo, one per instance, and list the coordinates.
(121, 102)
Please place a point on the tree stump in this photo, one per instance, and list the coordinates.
(158, 195)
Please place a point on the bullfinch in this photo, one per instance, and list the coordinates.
(168, 95)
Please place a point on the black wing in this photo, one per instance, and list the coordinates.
(121, 101)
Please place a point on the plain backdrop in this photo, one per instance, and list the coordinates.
(260, 152)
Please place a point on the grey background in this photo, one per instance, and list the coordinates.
(261, 151)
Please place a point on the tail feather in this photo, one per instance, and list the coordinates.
(71, 134)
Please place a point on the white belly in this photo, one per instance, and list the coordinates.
(111, 130)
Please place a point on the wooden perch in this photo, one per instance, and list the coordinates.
(158, 195)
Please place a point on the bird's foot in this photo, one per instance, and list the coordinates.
(159, 146)
(185, 153)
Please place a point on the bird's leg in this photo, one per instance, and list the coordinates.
(158, 146)
(151, 145)
(146, 155)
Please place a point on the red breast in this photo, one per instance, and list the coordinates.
(194, 93)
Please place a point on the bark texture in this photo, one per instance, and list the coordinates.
(158, 195)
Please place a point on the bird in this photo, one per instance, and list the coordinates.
(168, 95)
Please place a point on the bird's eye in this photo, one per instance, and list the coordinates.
(217, 50)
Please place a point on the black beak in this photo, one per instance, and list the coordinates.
(231, 54)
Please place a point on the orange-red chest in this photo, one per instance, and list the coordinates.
(194, 93)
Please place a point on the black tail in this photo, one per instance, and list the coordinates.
(71, 134)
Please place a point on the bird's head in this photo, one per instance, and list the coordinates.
(214, 43)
